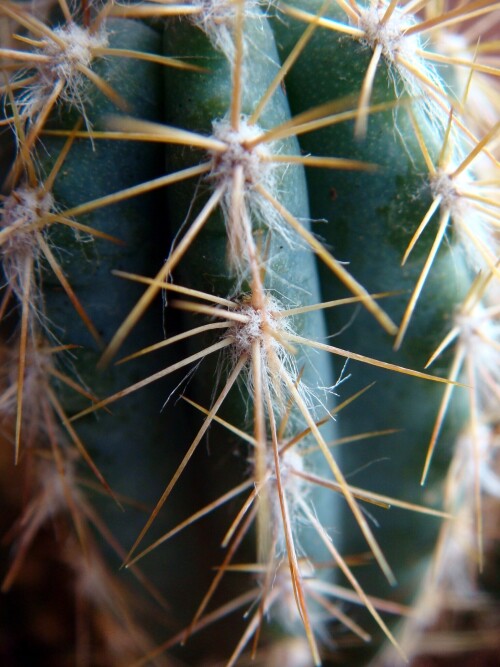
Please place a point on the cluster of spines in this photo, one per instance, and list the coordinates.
(253, 330)
(251, 253)
(464, 183)
(47, 69)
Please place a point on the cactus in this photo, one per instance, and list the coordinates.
(234, 238)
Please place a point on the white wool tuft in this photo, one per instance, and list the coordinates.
(250, 209)
(69, 51)
(19, 221)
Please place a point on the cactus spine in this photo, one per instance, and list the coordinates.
(380, 146)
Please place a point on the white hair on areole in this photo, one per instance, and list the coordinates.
(398, 48)
(257, 169)
(476, 230)
(480, 335)
(63, 58)
(265, 327)
(19, 217)
(217, 19)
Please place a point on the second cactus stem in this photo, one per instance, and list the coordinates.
(284, 220)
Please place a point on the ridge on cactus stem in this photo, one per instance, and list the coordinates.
(27, 211)
(394, 33)
(53, 367)
(371, 221)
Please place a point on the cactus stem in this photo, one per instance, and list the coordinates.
(237, 537)
(282, 587)
(62, 59)
(22, 245)
(75, 439)
(393, 32)
(135, 190)
(148, 296)
(49, 256)
(249, 334)
(244, 181)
